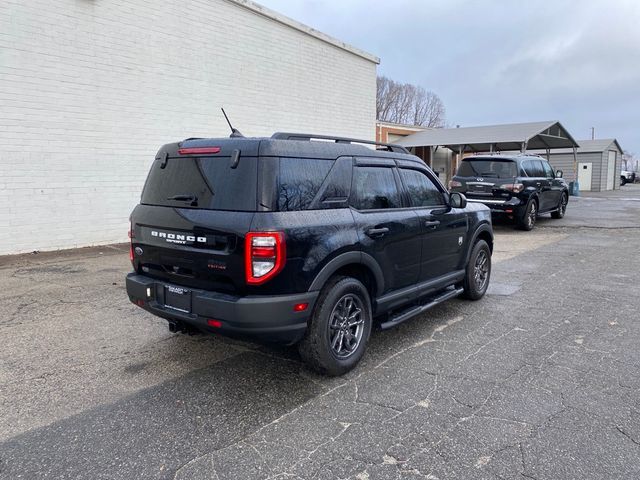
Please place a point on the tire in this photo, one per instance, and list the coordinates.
(528, 220)
(562, 207)
(623, 181)
(322, 348)
(478, 272)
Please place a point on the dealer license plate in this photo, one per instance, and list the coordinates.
(177, 298)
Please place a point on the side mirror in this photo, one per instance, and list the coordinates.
(457, 200)
(559, 173)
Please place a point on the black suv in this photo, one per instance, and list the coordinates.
(520, 187)
(301, 239)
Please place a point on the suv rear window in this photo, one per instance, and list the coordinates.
(491, 168)
(210, 180)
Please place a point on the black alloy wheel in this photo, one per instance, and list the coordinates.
(339, 329)
(478, 273)
(562, 207)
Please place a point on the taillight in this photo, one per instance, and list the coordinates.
(264, 256)
(131, 237)
(454, 184)
(512, 187)
(198, 150)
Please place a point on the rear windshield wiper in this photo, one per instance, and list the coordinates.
(192, 199)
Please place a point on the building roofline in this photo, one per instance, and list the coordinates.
(615, 140)
(510, 136)
(301, 27)
(589, 146)
(401, 125)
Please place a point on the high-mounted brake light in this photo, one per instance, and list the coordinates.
(265, 255)
(198, 150)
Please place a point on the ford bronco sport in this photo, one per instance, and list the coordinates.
(519, 186)
(301, 239)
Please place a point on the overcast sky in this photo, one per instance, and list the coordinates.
(502, 61)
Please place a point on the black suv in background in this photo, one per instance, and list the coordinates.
(520, 187)
(294, 240)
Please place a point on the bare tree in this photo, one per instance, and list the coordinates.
(408, 104)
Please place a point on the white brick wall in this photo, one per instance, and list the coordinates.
(89, 89)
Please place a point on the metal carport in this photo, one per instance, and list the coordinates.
(491, 138)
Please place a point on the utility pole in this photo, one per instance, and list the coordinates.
(593, 133)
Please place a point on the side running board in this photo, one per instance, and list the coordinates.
(400, 317)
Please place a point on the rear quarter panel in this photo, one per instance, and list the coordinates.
(313, 238)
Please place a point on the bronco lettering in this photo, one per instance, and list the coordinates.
(177, 237)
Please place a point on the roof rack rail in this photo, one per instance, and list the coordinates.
(309, 136)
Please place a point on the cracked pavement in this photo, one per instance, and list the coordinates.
(538, 380)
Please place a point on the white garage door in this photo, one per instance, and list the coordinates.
(611, 170)
(584, 176)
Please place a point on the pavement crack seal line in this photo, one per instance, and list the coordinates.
(429, 339)
(434, 445)
(627, 435)
(590, 227)
(494, 340)
(374, 404)
(345, 427)
(262, 459)
(475, 414)
(273, 422)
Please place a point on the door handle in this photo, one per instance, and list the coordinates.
(377, 232)
(432, 223)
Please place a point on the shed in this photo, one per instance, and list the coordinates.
(599, 164)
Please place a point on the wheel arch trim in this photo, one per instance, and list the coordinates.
(484, 227)
(349, 258)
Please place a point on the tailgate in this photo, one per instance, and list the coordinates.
(195, 248)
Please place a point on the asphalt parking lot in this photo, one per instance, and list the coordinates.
(540, 379)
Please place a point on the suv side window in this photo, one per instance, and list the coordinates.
(374, 188)
(548, 171)
(533, 168)
(421, 189)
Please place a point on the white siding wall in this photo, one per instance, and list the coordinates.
(618, 168)
(564, 162)
(89, 89)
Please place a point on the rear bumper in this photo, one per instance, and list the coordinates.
(266, 318)
(513, 206)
